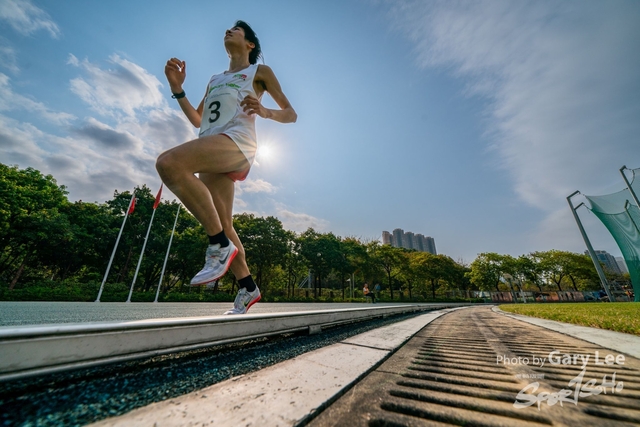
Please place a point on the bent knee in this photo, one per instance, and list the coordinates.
(165, 165)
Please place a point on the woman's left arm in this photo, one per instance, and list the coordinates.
(251, 105)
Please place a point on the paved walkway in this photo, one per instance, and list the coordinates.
(461, 366)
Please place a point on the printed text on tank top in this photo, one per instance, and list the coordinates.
(222, 101)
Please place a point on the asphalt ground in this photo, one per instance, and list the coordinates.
(36, 313)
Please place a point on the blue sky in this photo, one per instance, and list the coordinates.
(468, 121)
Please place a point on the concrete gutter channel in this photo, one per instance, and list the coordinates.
(441, 368)
(471, 367)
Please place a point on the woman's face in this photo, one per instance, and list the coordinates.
(235, 36)
(234, 33)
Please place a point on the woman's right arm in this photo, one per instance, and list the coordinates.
(175, 70)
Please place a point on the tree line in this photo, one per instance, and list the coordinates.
(51, 248)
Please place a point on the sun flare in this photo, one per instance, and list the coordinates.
(265, 153)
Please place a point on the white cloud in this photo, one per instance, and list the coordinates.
(8, 56)
(93, 158)
(160, 129)
(26, 18)
(239, 205)
(89, 174)
(559, 77)
(10, 100)
(298, 221)
(561, 81)
(17, 143)
(117, 92)
(255, 186)
(106, 137)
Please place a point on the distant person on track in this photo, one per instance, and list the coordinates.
(223, 153)
(368, 294)
(376, 290)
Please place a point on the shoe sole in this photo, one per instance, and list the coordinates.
(231, 258)
(253, 302)
(248, 306)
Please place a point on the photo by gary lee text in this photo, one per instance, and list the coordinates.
(557, 358)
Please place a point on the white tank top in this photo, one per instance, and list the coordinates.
(222, 113)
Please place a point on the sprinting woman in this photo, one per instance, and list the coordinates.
(223, 153)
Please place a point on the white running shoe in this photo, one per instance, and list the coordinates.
(244, 301)
(216, 264)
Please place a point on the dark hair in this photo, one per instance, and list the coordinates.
(250, 36)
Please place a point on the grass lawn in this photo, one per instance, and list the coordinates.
(617, 316)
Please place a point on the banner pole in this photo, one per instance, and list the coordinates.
(106, 274)
(166, 257)
(144, 245)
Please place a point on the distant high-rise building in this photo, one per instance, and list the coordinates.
(398, 237)
(430, 245)
(622, 265)
(387, 238)
(608, 261)
(407, 242)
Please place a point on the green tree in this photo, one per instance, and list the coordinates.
(266, 244)
(530, 270)
(390, 259)
(437, 268)
(511, 274)
(187, 251)
(457, 276)
(85, 254)
(308, 247)
(486, 271)
(556, 265)
(353, 256)
(582, 273)
(414, 273)
(31, 222)
(295, 268)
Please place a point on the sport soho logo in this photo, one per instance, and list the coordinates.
(578, 387)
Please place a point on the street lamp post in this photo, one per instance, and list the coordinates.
(353, 284)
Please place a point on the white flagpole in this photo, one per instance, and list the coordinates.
(106, 274)
(144, 245)
(166, 257)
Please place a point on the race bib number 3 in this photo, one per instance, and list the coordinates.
(219, 107)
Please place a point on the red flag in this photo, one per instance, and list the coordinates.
(155, 205)
(132, 206)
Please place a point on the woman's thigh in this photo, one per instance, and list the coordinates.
(210, 154)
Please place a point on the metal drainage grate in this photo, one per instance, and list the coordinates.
(468, 368)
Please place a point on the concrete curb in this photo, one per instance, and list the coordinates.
(618, 341)
(41, 349)
(284, 394)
